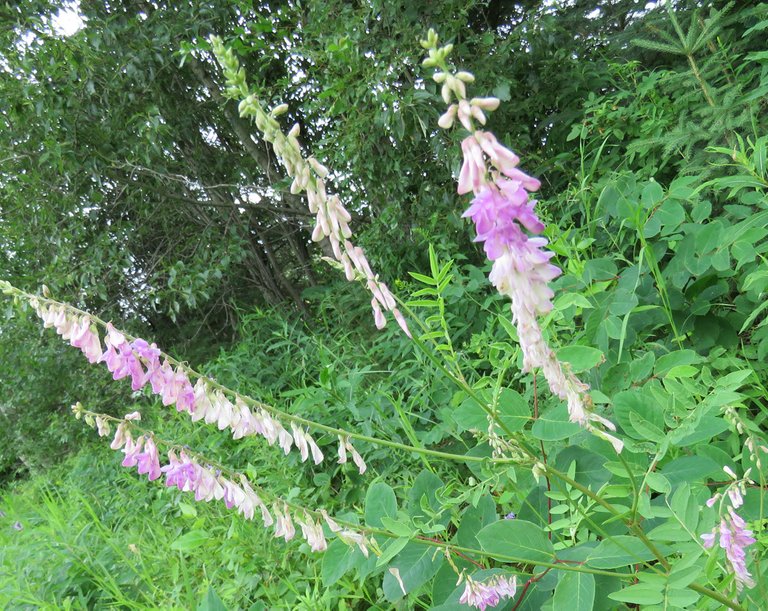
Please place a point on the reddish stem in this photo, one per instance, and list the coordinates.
(535, 578)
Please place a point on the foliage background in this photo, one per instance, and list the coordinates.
(132, 189)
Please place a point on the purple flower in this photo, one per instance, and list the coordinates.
(182, 473)
(488, 594)
(734, 539)
(132, 450)
(500, 213)
(148, 460)
(18, 526)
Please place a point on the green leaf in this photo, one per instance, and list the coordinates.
(512, 408)
(575, 591)
(640, 594)
(336, 562)
(380, 502)
(518, 539)
(554, 425)
(398, 528)
(689, 469)
(188, 511)
(581, 358)
(674, 359)
(422, 278)
(392, 549)
(211, 602)
(191, 540)
(474, 519)
(681, 371)
(639, 414)
(417, 564)
(618, 551)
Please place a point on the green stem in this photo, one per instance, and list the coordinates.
(634, 528)
(273, 410)
(714, 594)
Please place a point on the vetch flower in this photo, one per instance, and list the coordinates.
(734, 538)
(489, 593)
(148, 460)
(506, 223)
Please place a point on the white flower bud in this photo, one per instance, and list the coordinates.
(446, 119)
(485, 103)
(279, 110)
(318, 167)
(446, 92)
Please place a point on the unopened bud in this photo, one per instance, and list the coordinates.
(279, 110)
(485, 103)
(318, 167)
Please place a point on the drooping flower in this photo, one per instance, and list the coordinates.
(148, 461)
(132, 449)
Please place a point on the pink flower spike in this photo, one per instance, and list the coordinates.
(161, 377)
(488, 594)
(246, 423)
(529, 183)
(378, 315)
(735, 496)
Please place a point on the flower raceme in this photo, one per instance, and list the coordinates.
(144, 364)
(732, 533)
(308, 174)
(188, 474)
(507, 225)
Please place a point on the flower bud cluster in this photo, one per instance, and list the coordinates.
(308, 174)
(208, 483)
(731, 532)
(504, 216)
(141, 361)
(753, 444)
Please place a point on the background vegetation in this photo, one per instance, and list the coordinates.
(133, 189)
